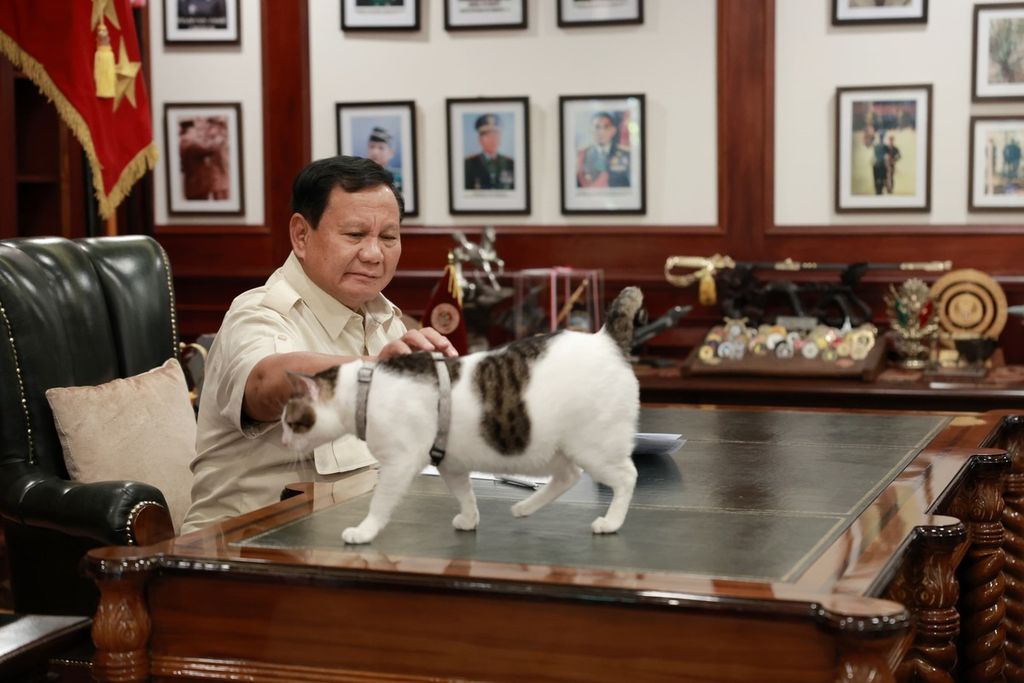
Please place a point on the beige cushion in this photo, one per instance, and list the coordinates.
(141, 428)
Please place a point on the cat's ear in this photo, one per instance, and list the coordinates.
(303, 385)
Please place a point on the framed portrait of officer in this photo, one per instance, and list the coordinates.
(384, 132)
(489, 155)
(210, 22)
(204, 159)
(380, 15)
(997, 73)
(883, 148)
(603, 154)
(996, 168)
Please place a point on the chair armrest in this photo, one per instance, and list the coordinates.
(104, 511)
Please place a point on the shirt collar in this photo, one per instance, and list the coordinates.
(332, 314)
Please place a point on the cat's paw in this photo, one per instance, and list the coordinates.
(464, 522)
(601, 525)
(355, 534)
(521, 509)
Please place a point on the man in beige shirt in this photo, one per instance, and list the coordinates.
(323, 307)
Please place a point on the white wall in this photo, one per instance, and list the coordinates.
(670, 58)
(813, 58)
(197, 74)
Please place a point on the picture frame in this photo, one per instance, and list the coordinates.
(207, 22)
(854, 12)
(996, 180)
(386, 133)
(997, 53)
(573, 13)
(380, 15)
(204, 158)
(870, 175)
(603, 154)
(494, 127)
(468, 15)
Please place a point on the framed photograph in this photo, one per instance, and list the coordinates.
(212, 22)
(592, 12)
(380, 15)
(997, 72)
(845, 12)
(462, 15)
(384, 132)
(602, 154)
(204, 159)
(489, 155)
(996, 181)
(883, 148)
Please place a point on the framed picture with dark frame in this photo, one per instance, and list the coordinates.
(573, 13)
(384, 132)
(204, 159)
(489, 155)
(997, 61)
(209, 22)
(847, 12)
(883, 148)
(996, 182)
(380, 15)
(467, 15)
(603, 155)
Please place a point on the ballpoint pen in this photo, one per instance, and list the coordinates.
(521, 483)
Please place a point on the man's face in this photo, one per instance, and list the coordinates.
(353, 253)
(603, 130)
(379, 152)
(490, 141)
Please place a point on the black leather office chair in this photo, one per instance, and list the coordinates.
(73, 313)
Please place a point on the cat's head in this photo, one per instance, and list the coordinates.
(310, 417)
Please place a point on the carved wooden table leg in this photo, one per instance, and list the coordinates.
(1013, 545)
(864, 660)
(927, 585)
(979, 504)
(121, 626)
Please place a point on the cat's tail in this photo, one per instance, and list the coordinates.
(619, 322)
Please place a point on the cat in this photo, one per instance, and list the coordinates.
(544, 405)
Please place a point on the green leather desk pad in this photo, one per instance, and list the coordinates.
(752, 495)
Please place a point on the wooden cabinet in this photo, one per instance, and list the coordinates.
(42, 174)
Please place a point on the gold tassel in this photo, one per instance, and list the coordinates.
(103, 64)
(708, 295)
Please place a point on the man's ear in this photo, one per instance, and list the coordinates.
(298, 231)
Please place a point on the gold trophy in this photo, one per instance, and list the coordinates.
(911, 312)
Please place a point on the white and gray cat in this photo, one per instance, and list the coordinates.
(544, 405)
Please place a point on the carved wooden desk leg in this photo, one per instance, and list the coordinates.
(865, 660)
(979, 504)
(927, 585)
(1013, 545)
(121, 626)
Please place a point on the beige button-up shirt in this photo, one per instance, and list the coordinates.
(242, 465)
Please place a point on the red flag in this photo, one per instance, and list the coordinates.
(444, 312)
(84, 56)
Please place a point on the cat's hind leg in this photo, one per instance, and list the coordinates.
(392, 483)
(620, 476)
(563, 476)
(461, 487)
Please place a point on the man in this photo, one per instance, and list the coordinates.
(879, 168)
(380, 149)
(1011, 160)
(604, 163)
(892, 155)
(489, 170)
(323, 307)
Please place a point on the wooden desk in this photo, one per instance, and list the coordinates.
(773, 546)
(894, 389)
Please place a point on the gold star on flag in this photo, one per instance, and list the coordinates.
(104, 9)
(126, 71)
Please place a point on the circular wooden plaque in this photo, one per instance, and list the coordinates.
(969, 303)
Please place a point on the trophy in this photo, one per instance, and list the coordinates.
(911, 313)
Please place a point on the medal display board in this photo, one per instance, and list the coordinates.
(969, 304)
(771, 350)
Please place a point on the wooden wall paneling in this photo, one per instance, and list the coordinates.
(8, 196)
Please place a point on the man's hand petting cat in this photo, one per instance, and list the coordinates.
(423, 339)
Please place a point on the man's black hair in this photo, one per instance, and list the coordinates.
(314, 183)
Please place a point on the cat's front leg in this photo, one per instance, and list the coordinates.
(392, 483)
(461, 487)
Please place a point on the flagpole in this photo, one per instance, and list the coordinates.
(111, 225)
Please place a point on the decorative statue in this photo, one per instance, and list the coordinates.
(911, 312)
